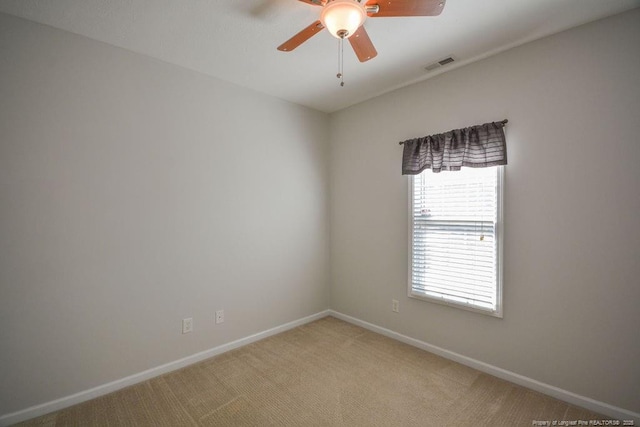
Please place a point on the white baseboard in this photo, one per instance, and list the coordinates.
(567, 396)
(64, 402)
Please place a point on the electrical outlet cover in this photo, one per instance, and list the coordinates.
(395, 305)
(219, 316)
(187, 325)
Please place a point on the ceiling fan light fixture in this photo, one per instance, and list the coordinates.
(343, 17)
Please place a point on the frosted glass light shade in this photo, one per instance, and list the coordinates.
(343, 17)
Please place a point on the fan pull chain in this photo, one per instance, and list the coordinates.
(340, 61)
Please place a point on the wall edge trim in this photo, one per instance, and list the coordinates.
(564, 395)
(101, 390)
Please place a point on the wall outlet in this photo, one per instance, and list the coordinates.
(220, 316)
(187, 325)
(395, 306)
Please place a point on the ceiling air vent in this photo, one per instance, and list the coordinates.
(445, 61)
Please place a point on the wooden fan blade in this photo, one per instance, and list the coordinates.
(312, 2)
(362, 46)
(389, 8)
(301, 37)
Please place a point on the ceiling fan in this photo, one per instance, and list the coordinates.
(344, 19)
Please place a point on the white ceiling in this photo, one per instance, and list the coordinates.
(236, 40)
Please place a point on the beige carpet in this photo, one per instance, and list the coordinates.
(326, 373)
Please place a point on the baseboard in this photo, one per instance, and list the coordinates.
(567, 396)
(64, 402)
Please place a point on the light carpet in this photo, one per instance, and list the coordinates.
(325, 373)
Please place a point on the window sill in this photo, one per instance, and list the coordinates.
(486, 311)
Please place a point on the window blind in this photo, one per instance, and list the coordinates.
(454, 250)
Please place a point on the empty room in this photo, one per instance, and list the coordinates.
(320, 212)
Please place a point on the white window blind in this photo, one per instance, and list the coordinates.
(455, 238)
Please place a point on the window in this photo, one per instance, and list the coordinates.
(455, 238)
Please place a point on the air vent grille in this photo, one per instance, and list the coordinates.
(445, 61)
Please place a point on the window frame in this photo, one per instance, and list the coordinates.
(499, 233)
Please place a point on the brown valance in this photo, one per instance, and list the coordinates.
(476, 146)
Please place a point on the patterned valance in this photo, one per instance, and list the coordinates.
(476, 146)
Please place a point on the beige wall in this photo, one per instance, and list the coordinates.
(134, 193)
(572, 208)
